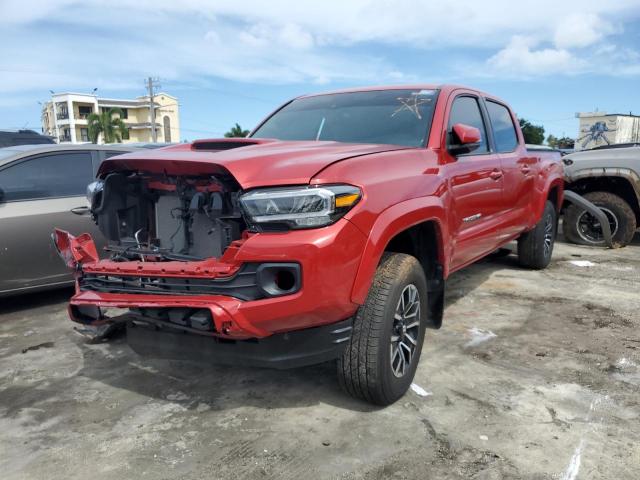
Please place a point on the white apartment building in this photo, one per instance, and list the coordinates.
(65, 116)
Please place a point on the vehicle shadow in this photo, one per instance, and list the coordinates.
(463, 282)
(214, 387)
(222, 387)
(28, 301)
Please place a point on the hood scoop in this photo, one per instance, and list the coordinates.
(219, 144)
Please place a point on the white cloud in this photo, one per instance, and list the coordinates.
(521, 58)
(64, 44)
(581, 30)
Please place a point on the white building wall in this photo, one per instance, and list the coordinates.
(598, 129)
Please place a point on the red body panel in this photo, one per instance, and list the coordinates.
(260, 165)
(329, 259)
(477, 203)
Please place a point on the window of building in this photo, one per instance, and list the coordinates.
(47, 176)
(65, 135)
(63, 113)
(467, 111)
(124, 115)
(84, 111)
(84, 134)
(167, 129)
(504, 131)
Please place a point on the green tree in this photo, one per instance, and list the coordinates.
(562, 142)
(533, 134)
(566, 142)
(109, 123)
(236, 131)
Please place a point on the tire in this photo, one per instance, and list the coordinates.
(535, 247)
(365, 370)
(578, 225)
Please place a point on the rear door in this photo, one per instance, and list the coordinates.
(40, 192)
(475, 181)
(519, 169)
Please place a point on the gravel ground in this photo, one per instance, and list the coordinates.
(535, 375)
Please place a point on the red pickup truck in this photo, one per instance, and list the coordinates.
(327, 234)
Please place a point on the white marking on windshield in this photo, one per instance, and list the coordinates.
(411, 104)
(320, 129)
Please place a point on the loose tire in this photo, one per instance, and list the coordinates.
(380, 360)
(581, 227)
(536, 246)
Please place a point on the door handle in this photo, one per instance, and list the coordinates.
(81, 210)
(496, 174)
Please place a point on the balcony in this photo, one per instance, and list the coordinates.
(65, 137)
(83, 112)
(63, 115)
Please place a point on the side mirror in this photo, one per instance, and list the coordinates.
(464, 139)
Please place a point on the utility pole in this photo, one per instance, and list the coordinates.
(151, 83)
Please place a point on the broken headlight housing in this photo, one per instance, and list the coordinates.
(298, 207)
(94, 192)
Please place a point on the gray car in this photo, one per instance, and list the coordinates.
(42, 187)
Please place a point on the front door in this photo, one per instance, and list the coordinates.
(475, 182)
(40, 193)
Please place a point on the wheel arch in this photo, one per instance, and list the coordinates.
(555, 195)
(417, 228)
(623, 183)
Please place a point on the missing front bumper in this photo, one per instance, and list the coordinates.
(282, 351)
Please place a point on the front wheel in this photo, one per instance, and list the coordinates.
(536, 246)
(380, 361)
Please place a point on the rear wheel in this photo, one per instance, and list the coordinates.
(379, 363)
(536, 246)
(583, 228)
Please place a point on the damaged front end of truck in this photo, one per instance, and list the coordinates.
(175, 264)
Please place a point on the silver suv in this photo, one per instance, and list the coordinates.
(609, 177)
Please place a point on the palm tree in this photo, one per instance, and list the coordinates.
(112, 128)
(236, 131)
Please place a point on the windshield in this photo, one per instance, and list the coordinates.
(396, 117)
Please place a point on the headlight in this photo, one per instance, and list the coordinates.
(298, 207)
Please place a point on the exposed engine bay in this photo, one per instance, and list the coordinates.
(162, 217)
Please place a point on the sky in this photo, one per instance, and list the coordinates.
(231, 62)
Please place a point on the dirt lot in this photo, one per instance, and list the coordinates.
(534, 375)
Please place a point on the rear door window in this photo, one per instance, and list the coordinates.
(64, 174)
(504, 131)
(466, 110)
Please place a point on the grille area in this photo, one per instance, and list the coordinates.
(243, 285)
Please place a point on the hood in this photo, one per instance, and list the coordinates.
(588, 162)
(252, 162)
